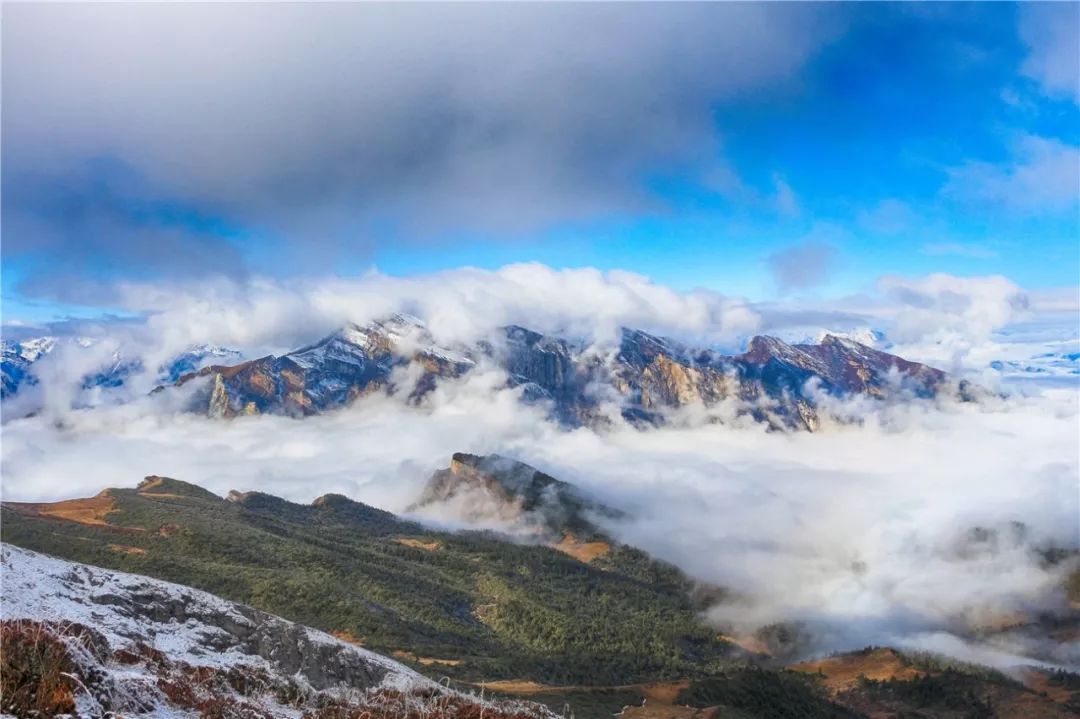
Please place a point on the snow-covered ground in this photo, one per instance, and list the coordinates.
(148, 648)
(177, 630)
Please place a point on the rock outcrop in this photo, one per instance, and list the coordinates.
(497, 490)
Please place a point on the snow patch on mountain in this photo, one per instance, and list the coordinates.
(355, 345)
(19, 365)
(33, 349)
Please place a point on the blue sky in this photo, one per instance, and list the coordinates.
(760, 151)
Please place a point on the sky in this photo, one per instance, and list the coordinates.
(770, 151)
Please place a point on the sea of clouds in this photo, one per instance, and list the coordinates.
(923, 525)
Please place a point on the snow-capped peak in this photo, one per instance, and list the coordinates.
(33, 349)
(863, 335)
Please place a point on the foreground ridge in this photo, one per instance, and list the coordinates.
(116, 642)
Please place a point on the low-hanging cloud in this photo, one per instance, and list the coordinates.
(940, 319)
(949, 316)
(872, 532)
(923, 522)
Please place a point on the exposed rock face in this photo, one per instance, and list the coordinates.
(497, 490)
(645, 377)
(328, 374)
(773, 381)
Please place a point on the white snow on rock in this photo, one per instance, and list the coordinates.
(355, 344)
(190, 628)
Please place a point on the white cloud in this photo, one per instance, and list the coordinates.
(804, 265)
(853, 531)
(1052, 33)
(1042, 176)
(946, 316)
(781, 198)
(319, 122)
(787, 203)
(459, 306)
(858, 531)
(940, 319)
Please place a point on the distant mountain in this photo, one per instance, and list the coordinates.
(18, 360)
(644, 378)
(863, 335)
(195, 358)
(91, 642)
(330, 373)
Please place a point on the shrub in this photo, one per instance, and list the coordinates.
(36, 670)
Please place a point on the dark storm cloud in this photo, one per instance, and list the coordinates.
(103, 220)
(323, 122)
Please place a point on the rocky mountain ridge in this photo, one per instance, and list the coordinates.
(644, 378)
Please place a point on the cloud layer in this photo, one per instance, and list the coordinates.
(864, 534)
(914, 527)
(160, 127)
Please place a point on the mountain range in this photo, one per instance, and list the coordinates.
(643, 378)
(18, 360)
(551, 608)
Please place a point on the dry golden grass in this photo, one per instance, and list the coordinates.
(36, 671)
(418, 543)
(124, 549)
(432, 661)
(667, 711)
(519, 686)
(1039, 681)
(91, 510)
(426, 661)
(582, 551)
(348, 637)
(842, 673)
(151, 482)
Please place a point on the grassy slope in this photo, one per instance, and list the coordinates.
(504, 610)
